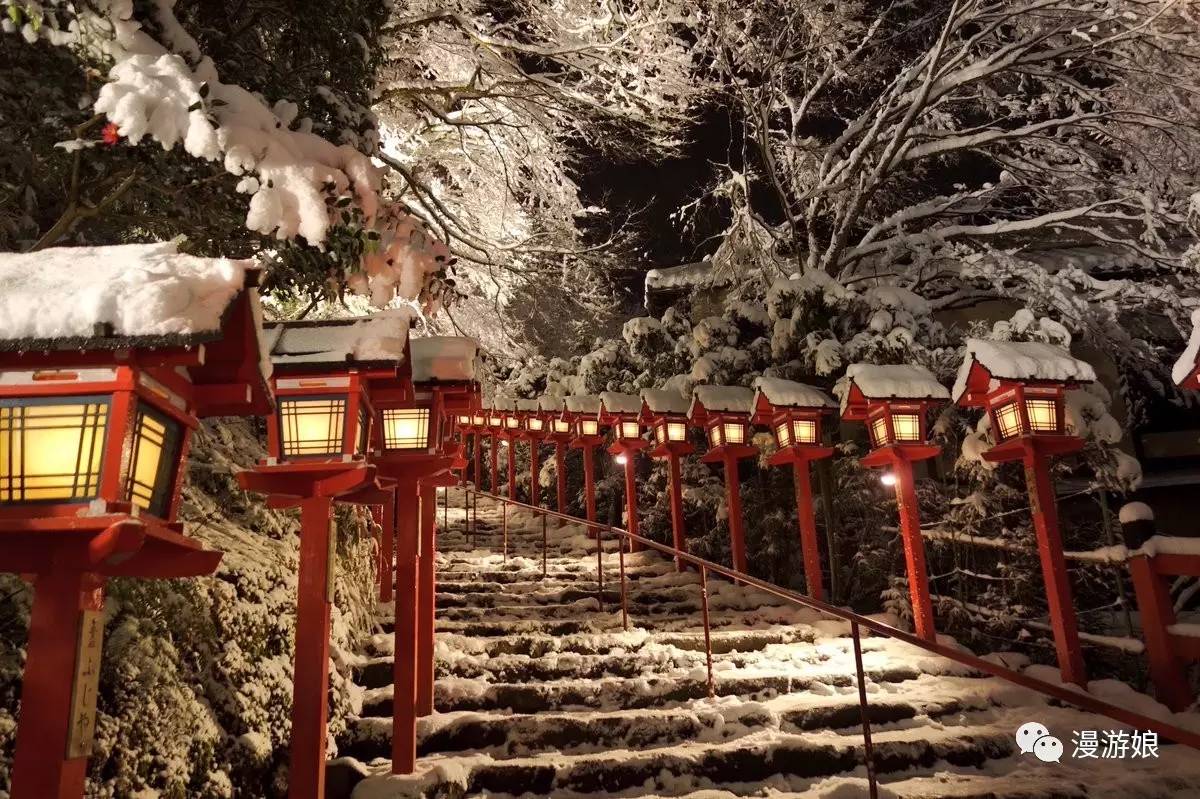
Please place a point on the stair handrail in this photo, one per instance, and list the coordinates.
(1073, 695)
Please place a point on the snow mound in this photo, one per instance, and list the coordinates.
(790, 394)
(664, 400)
(444, 358)
(878, 382)
(1190, 358)
(723, 399)
(615, 402)
(582, 403)
(701, 274)
(1135, 512)
(1021, 360)
(138, 289)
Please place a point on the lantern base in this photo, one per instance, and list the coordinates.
(890, 454)
(728, 451)
(627, 446)
(1015, 449)
(799, 454)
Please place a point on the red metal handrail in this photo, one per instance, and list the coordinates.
(1062, 693)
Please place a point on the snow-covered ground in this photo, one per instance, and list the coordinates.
(542, 692)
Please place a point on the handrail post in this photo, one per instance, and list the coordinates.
(624, 603)
(446, 508)
(600, 569)
(707, 634)
(868, 751)
(544, 546)
(504, 533)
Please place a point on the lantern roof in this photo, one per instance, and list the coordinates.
(550, 403)
(988, 363)
(143, 297)
(1186, 372)
(780, 393)
(443, 359)
(869, 382)
(721, 399)
(615, 402)
(503, 403)
(379, 340)
(582, 403)
(664, 402)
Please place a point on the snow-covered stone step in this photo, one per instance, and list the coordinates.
(506, 735)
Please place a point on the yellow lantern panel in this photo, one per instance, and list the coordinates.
(676, 431)
(879, 434)
(1008, 421)
(152, 470)
(561, 426)
(804, 431)
(589, 427)
(536, 424)
(406, 428)
(660, 433)
(312, 426)
(1043, 415)
(716, 436)
(478, 421)
(630, 430)
(52, 450)
(495, 421)
(783, 434)
(907, 426)
(735, 433)
(512, 422)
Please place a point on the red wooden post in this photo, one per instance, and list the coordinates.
(43, 768)
(733, 497)
(678, 536)
(478, 456)
(589, 484)
(1059, 602)
(809, 548)
(387, 549)
(495, 484)
(534, 471)
(425, 611)
(914, 547)
(310, 698)
(560, 473)
(404, 664)
(631, 507)
(512, 467)
(1167, 669)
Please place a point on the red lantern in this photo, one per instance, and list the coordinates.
(724, 413)
(665, 413)
(894, 401)
(534, 424)
(559, 431)
(95, 424)
(1022, 386)
(620, 412)
(796, 413)
(582, 413)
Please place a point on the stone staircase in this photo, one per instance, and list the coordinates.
(542, 692)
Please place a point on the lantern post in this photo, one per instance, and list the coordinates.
(512, 432)
(894, 402)
(534, 423)
(1022, 387)
(665, 413)
(414, 447)
(620, 412)
(560, 434)
(724, 413)
(479, 426)
(95, 426)
(795, 413)
(582, 411)
(318, 440)
(495, 424)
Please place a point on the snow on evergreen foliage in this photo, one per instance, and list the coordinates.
(196, 687)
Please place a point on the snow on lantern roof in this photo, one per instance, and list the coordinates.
(381, 338)
(443, 359)
(701, 274)
(503, 402)
(1017, 360)
(116, 297)
(550, 403)
(722, 399)
(661, 402)
(582, 403)
(883, 382)
(1186, 372)
(527, 405)
(782, 393)
(615, 402)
